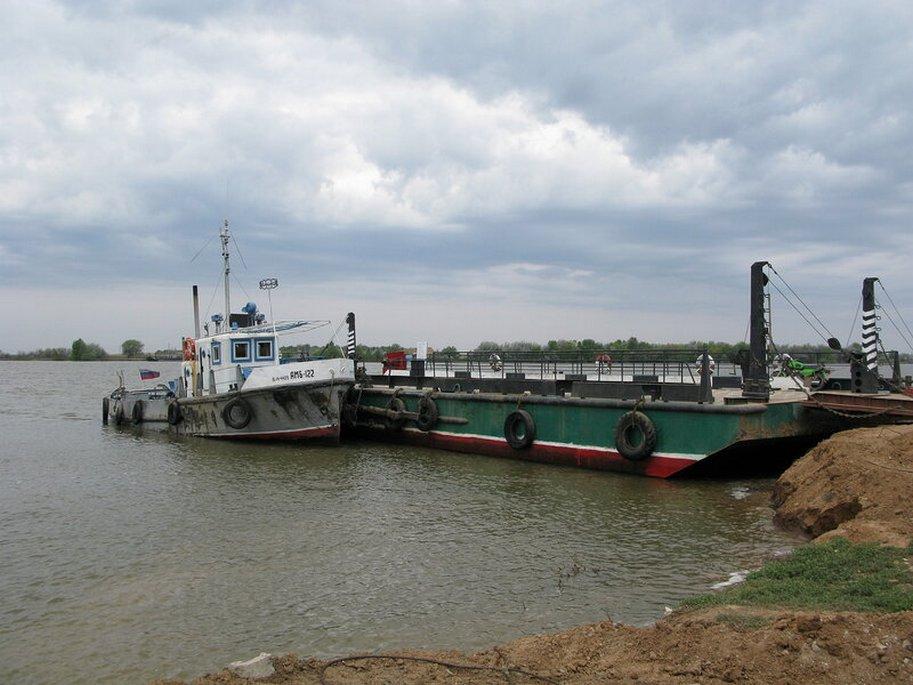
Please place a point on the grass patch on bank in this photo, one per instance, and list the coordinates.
(837, 575)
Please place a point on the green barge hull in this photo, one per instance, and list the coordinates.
(581, 432)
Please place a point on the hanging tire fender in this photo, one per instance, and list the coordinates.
(136, 415)
(119, 416)
(395, 424)
(237, 413)
(428, 414)
(625, 430)
(174, 413)
(519, 429)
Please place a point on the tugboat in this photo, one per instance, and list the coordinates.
(234, 382)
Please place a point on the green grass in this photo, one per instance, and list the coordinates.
(837, 575)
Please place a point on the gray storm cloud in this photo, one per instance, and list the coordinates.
(595, 170)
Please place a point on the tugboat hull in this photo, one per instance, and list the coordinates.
(283, 412)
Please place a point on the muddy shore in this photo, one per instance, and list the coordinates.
(856, 485)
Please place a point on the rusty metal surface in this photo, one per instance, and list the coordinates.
(894, 404)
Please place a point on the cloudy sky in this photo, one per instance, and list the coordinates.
(452, 171)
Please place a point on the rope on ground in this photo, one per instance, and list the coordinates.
(887, 467)
(506, 671)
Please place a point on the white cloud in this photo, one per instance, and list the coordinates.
(318, 130)
(629, 154)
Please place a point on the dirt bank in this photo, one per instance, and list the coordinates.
(726, 644)
(857, 484)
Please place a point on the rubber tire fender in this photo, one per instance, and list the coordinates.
(512, 435)
(174, 413)
(231, 411)
(428, 414)
(136, 415)
(639, 420)
(395, 404)
(119, 417)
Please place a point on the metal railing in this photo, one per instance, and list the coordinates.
(666, 365)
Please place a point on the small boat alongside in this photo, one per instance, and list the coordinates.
(235, 383)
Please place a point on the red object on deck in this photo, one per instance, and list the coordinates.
(394, 361)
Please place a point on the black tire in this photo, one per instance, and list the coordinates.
(397, 405)
(119, 417)
(629, 425)
(237, 413)
(174, 413)
(105, 407)
(519, 429)
(137, 413)
(428, 414)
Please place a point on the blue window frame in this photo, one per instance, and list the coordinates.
(264, 349)
(216, 354)
(240, 350)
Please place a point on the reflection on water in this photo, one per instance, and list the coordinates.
(129, 554)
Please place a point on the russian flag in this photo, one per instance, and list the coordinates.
(148, 374)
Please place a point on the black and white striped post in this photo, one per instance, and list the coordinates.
(864, 367)
(869, 324)
(350, 340)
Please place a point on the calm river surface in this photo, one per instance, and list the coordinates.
(128, 555)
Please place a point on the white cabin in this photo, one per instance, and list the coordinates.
(249, 358)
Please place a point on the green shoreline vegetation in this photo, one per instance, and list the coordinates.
(837, 575)
(133, 349)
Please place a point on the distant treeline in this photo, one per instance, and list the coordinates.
(133, 349)
(719, 350)
(81, 351)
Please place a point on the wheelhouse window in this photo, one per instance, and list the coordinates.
(216, 353)
(264, 349)
(240, 350)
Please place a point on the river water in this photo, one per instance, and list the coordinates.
(129, 555)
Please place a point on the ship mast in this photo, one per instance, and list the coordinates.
(225, 236)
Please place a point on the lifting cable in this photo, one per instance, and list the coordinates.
(896, 327)
(799, 312)
(849, 336)
(899, 316)
(804, 304)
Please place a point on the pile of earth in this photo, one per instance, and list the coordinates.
(724, 644)
(857, 484)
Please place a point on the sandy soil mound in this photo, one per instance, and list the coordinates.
(857, 484)
(727, 644)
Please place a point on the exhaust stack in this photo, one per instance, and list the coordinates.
(196, 313)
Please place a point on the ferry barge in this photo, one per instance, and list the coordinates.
(658, 414)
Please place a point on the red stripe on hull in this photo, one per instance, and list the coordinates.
(303, 434)
(567, 455)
